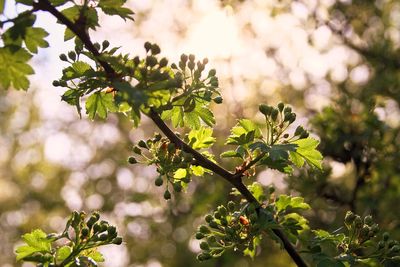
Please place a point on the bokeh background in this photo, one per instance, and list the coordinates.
(336, 62)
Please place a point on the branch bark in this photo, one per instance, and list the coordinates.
(232, 178)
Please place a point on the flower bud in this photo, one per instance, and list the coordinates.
(117, 240)
(72, 55)
(167, 195)
(63, 57)
(159, 181)
(105, 44)
(199, 235)
(151, 61)
(142, 144)
(385, 236)
(231, 205)
(155, 49)
(204, 245)
(177, 187)
(85, 232)
(184, 58)
(281, 106)
(132, 160)
(212, 73)
(208, 218)
(163, 62)
(147, 46)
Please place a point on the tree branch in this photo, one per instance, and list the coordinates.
(234, 179)
(45, 5)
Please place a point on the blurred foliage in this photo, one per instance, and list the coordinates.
(358, 128)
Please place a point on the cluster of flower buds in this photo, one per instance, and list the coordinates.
(228, 228)
(203, 88)
(281, 114)
(93, 230)
(154, 70)
(168, 159)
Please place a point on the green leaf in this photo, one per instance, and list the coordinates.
(257, 190)
(306, 151)
(63, 252)
(205, 115)
(280, 151)
(72, 97)
(201, 138)
(197, 170)
(177, 117)
(36, 242)
(58, 2)
(285, 202)
(34, 38)
(94, 255)
(100, 103)
(330, 263)
(281, 165)
(2, 4)
(14, 67)
(114, 7)
(230, 154)
(77, 70)
(192, 120)
(180, 173)
(244, 132)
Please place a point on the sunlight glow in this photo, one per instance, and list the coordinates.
(214, 36)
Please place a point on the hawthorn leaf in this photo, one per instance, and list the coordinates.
(114, 7)
(63, 252)
(34, 38)
(180, 173)
(100, 103)
(197, 170)
(306, 152)
(36, 241)
(201, 138)
(14, 67)
(284, 202)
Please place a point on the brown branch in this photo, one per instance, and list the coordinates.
(234, 179)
